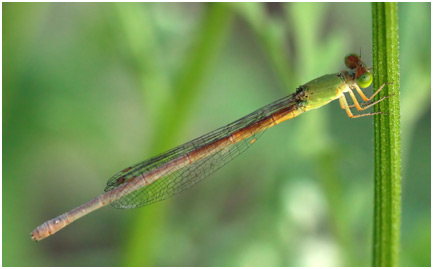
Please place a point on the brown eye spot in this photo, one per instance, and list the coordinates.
(126, 169)
(120, 180)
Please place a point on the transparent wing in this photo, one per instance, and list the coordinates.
(175, 181)
(183, 178)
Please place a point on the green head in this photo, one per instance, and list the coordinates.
(363, 77)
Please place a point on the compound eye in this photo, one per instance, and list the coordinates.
(365, 80)
(351, 60)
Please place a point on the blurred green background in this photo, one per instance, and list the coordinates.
(89, 89)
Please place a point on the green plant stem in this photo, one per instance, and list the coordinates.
(387, 198)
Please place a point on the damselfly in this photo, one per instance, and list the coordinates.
(171, 172)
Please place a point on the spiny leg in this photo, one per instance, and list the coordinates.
(361, 93)
(342, 105)
(343, 102)
(369, 104)
(372, 103)
(355, 101)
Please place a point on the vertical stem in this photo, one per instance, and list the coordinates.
(387, 186)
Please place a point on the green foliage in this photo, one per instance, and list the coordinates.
(89, 89)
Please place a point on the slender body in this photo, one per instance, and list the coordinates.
(176, 170)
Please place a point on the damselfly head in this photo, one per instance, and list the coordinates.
(364, 80)
(361, 73)
(352, 60)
